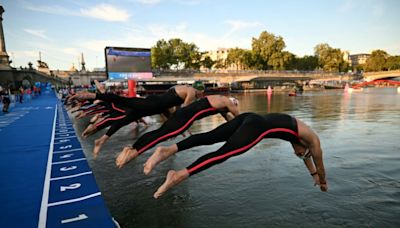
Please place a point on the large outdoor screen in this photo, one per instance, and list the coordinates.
(128, 63)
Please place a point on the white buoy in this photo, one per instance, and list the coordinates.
(398, 89)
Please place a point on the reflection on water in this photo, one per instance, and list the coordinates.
(268, 186)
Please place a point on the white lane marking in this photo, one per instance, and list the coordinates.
(46, 187)
(71, 176)
(65, 128)
(61, 132)
(63, 151)
(68, 137)
(75, 200)
(62, 162)
(62, 141)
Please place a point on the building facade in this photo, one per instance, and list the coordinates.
(220, 56)
(358, 59)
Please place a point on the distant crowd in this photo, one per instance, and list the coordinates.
(22, 94)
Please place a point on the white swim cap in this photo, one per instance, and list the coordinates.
(234, 101)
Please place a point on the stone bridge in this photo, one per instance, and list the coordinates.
(13, 78)
(229, 77)
(371, 76)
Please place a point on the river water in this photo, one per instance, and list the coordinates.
(268, 186)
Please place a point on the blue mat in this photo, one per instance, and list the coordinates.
(45, 178)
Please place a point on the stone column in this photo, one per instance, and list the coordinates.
(4, 59)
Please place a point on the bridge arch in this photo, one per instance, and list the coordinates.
(27, 81)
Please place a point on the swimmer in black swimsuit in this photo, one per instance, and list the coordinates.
(137, 108)
(180, 95)
(179, 122)
(240, 135)
(110, 114)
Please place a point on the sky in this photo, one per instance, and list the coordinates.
(63, 29)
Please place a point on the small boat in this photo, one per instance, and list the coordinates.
(292, 94)
(331, 86)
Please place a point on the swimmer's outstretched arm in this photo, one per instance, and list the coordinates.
(83, 96)
(227, 116)
(190, 97)
(316, 152)
(100, 87)
(313, 143)
(308, 162)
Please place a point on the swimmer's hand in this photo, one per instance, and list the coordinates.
(316, 179)
(323, 186)
(101, 88)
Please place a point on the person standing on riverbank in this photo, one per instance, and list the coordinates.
(241, 134)
(21, 94)
(5, 98)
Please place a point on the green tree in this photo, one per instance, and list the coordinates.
(377, 61)
(175, 54)
(360, 67)
(161, 55)
(305, 63)
(393, 62)
(208, 62)
(248, 61)
(220, 64)
(329, 59)
(190, 56)
(236, 57)
(176, 47)
(268, 52)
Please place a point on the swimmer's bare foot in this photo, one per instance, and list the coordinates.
(88, 131)
(94, 118)
(85, 133)
(173, 178)
(80, 115)
(158, 156)
(98, 143)
(127, 154)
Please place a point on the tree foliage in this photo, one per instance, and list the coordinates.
(329, 59)
(377, 61)
(393, 63)
(268, 52)
(208, 62)
(175, 54)
(305, 63)
(237, 57)
(161, 55)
